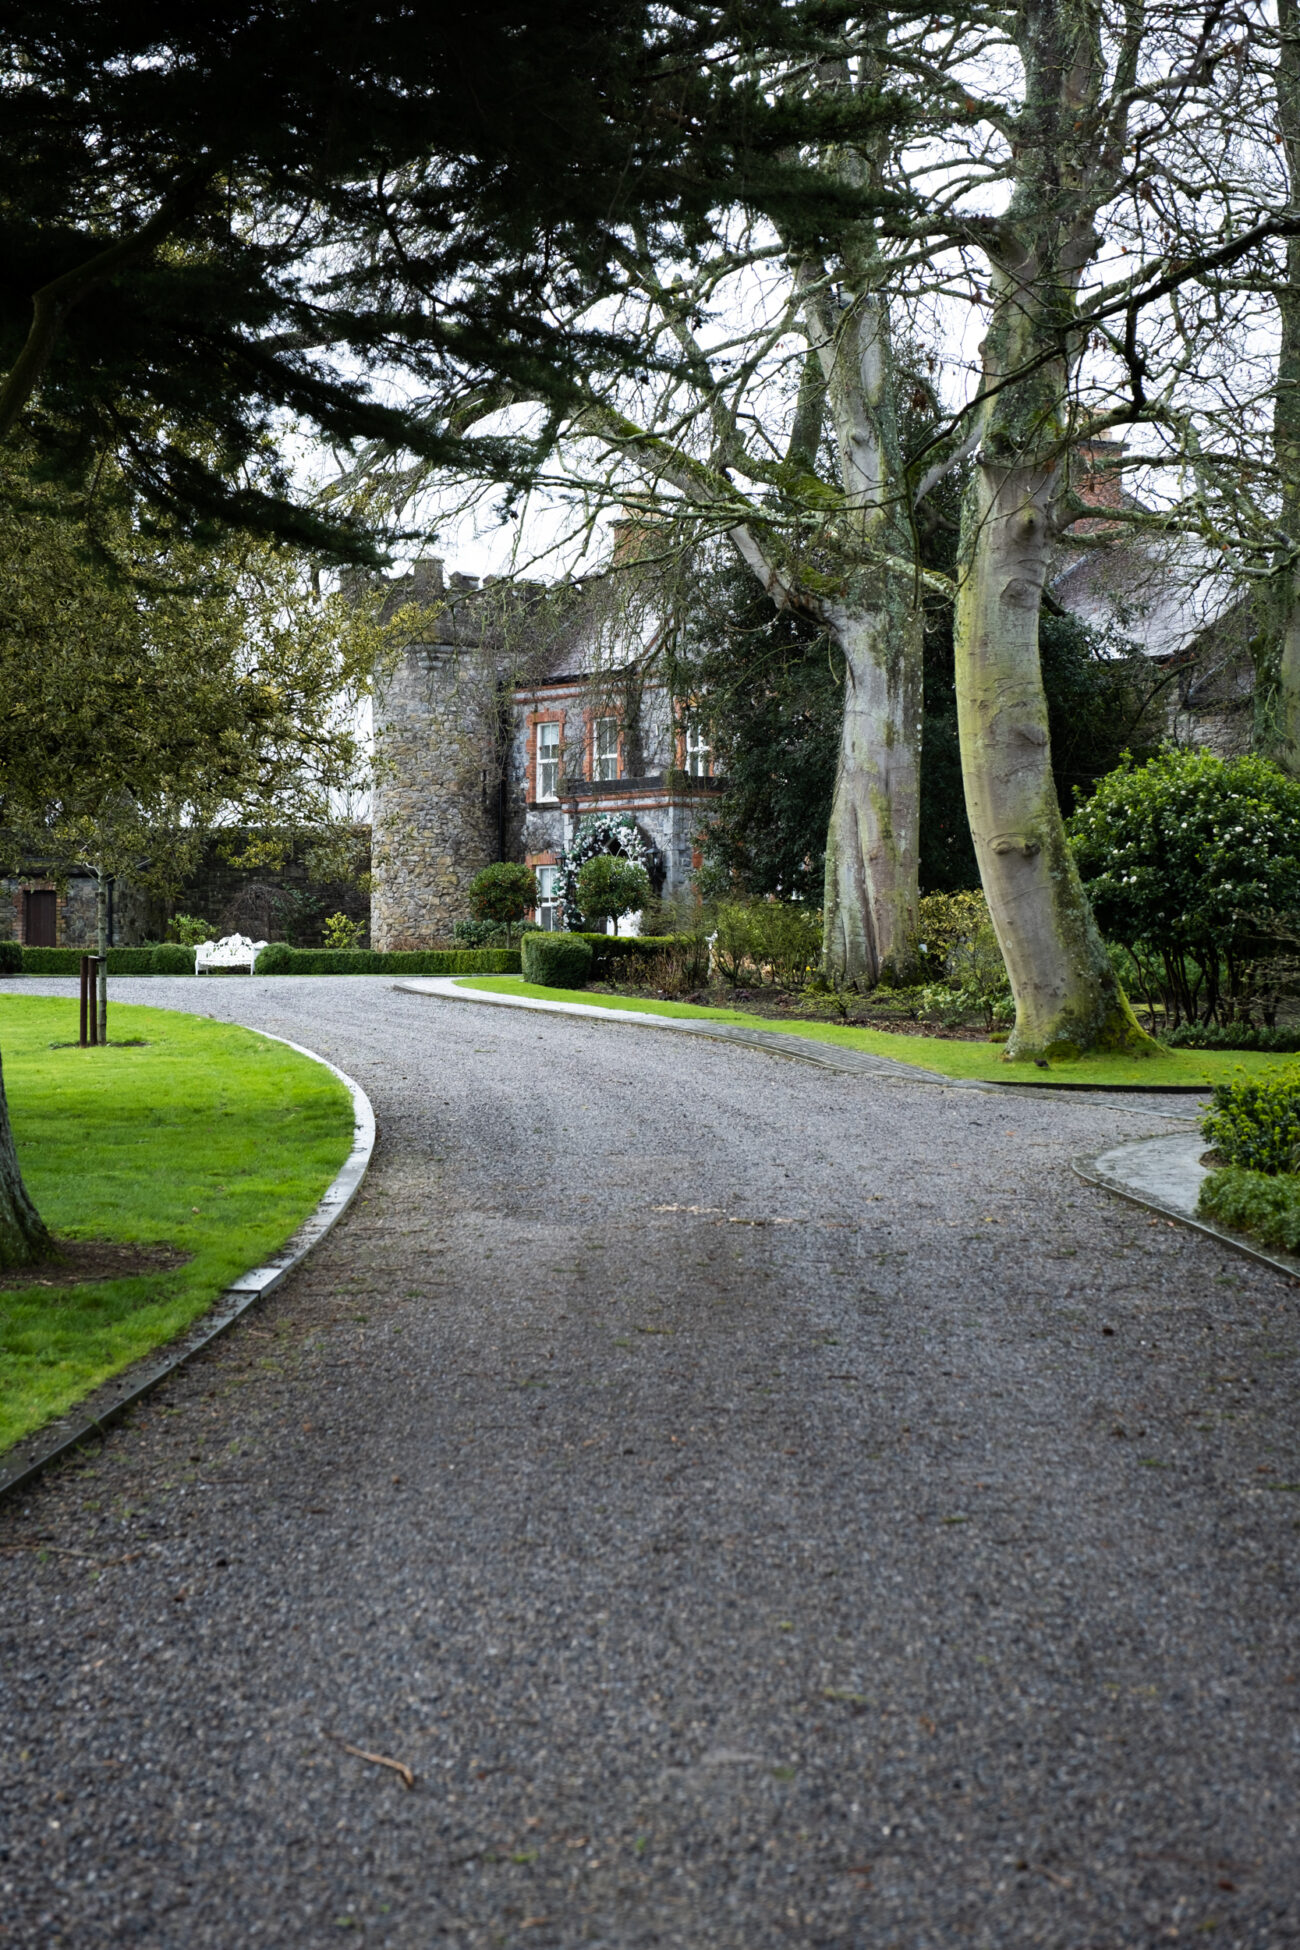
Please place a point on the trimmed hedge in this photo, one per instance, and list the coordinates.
(280, 959)
(1211, 1035)
(169, 958)
(613, 955)
(556, 961)
(1256, 1123)
(121, 961)
(1251, 1201)
(11, 957)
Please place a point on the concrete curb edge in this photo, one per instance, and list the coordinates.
(99, 1410)
(788, 1044)
(1237, 1241)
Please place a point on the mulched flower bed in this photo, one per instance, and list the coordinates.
(783, 1006)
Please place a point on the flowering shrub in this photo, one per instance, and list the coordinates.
(616, 833)
(1192, 864)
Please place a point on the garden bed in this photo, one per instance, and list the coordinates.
(202, 1140)
(976, 1059)
(795, 1008)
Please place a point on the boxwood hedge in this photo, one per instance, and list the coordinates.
(556, 961)
(279, 959)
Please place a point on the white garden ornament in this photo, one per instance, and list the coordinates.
(232, 951)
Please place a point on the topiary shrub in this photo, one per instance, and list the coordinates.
(1256, 1123)
(169, 958)
(503, 894)
(556, 961)
(11, 957)
(609, 887)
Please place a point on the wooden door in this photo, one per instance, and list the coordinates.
(40, 917)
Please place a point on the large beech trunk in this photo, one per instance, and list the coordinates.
(23, 1237)
(873, 840)
(1067, 997)
(1277, 644)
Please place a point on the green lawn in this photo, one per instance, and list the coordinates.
(1171, 1068)
(209, 1139)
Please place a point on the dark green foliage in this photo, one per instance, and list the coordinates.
(503, 893)
(556, 961)
(249, 137)
(67, 961)
(1192, 864)
(1249, 1201)
(768, 941)
(630, 957)
(775, 686)
(609, 887)
(477, 934)
(280, 959)
(1256, 1123)
(1233, 1035)
(169, 958)
(11, 957)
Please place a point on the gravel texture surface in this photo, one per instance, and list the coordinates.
(762, 1506)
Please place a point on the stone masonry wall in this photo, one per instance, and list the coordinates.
(435, 804)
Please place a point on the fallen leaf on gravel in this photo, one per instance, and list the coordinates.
(399, 1767)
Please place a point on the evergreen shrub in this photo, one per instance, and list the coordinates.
(1264, 1205)
(1233, 1035)
(556, 961)
(67, 961)
(1192, 863)
(11, 957)
(764, 940)
(631, 957)
(1256, 1123)
(169, 958)
(280, 959)
(503, 893)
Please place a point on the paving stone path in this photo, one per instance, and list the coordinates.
(762, 1506)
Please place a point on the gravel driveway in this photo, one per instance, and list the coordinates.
(762, 1507)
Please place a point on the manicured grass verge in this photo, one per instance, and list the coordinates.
(983, 1061)
(1266, 1207)
(209, 1139)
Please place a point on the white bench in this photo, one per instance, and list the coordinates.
(232, 951)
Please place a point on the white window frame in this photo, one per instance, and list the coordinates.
(605, 757)
(698, 750)
(548, 898)
(548, 759)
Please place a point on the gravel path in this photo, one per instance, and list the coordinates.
(762, 1506)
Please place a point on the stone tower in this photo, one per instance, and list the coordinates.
(437, 795)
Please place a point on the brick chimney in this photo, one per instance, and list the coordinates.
(1096, 478)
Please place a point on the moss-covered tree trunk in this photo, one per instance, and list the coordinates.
(23, 1235)
(873, 839)
(1277, 641)
(1066, 994)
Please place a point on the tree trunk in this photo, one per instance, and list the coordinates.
(873, 846)
(873, 840)
(1067, 997)
(1277, 646)
(23, 1235)
(101, 917)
